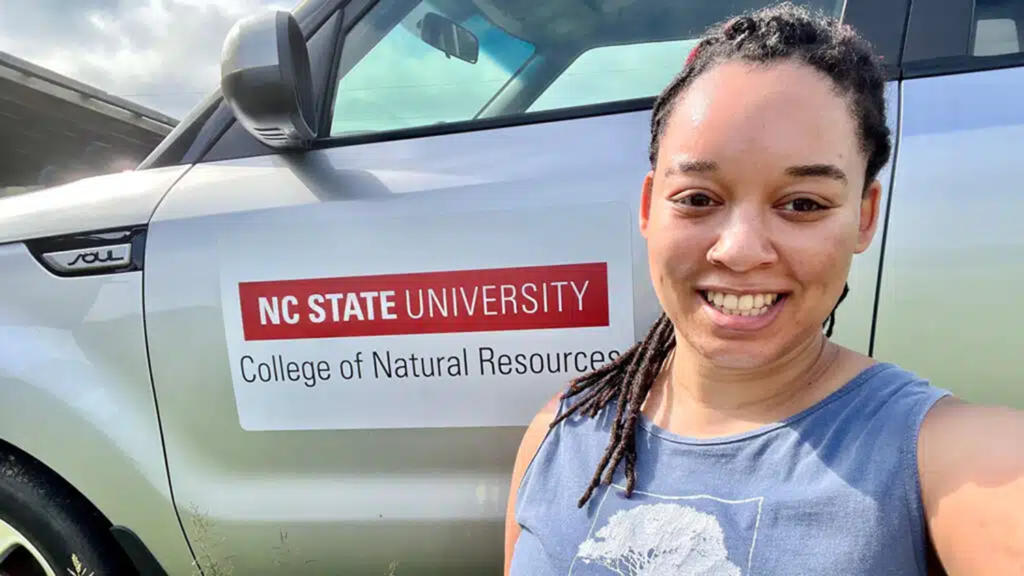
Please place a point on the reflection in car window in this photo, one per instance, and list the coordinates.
(531, 56)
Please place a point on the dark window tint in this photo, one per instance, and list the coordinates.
(950, 36)
(998, 28)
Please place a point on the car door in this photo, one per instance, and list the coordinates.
(348, 342)
(954, 222)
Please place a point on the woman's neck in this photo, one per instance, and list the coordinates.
(694, 397)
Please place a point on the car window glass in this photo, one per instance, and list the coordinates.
(998, 27)
(404, 82)
(611, 73)
(413, 63)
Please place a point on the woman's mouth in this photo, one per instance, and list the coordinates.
(742, 304)
(744, 312)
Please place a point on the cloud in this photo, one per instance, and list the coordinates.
(164, 54)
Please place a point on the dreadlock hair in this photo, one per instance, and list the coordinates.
(781, 33)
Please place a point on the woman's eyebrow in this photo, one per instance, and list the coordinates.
(690, 166)
(687, 166)
(817, 171)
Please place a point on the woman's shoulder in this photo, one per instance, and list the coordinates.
(971, 466)
(535, 433)
(970, 470)
(889, 384)
(530, 443)
(560, 441)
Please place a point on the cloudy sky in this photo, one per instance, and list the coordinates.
(163, 54)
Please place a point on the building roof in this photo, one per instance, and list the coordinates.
(55, 129)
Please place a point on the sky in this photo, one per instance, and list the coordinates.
(163, 54)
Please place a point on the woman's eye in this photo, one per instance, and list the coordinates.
(696, 200)
(803, 205)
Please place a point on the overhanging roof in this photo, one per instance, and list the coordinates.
(55, 129)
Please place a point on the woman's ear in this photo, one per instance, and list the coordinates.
(870, 204)
(645, 202)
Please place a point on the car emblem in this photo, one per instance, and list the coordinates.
(90, 259)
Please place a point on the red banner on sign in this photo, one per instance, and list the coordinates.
(503, 299)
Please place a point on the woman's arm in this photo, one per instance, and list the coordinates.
(971, 462)
(531, 442)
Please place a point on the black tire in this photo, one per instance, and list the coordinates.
(56, 519)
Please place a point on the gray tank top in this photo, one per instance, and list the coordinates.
(832, 490)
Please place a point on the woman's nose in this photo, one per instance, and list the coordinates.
(744, 243)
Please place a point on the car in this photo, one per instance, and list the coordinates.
(307, 333)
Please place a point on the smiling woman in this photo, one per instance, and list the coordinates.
(736, 431)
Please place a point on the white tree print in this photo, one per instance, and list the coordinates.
(660, 539)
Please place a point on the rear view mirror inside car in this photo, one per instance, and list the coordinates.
(449, 37)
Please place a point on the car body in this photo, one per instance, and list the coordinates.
(169, 346)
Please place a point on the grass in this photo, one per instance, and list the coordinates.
(80, 570)
(207, 562)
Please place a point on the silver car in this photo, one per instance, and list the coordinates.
(306, 334)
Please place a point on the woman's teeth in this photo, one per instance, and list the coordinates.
(741, 304)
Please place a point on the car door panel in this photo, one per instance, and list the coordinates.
(953, 223)
(341, 493)
(954, 230)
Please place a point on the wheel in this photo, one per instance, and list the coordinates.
(46, 525)
(18, 556)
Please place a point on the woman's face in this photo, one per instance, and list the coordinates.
(755, 210)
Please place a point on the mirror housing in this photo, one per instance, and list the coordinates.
(449, 37)
(266, 79)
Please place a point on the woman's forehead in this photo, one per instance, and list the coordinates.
(739, 108)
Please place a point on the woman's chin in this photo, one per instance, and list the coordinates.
(737, 359)
(749, 354)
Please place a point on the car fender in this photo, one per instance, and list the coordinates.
(75, 386)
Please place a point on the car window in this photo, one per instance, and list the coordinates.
(413, 63)
(404, 82)
(998, 27)
(611, 73)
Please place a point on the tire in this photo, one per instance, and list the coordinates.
(56, 520)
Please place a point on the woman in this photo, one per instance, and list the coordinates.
(736, 438)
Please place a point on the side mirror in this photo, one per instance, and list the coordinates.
(266, 79)
(449, 37)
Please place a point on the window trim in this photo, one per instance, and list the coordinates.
(477, 125)
(176, 147)
(351, 13)
(324, 83)
(939, 39)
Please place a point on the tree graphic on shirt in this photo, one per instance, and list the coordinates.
(656, 539)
